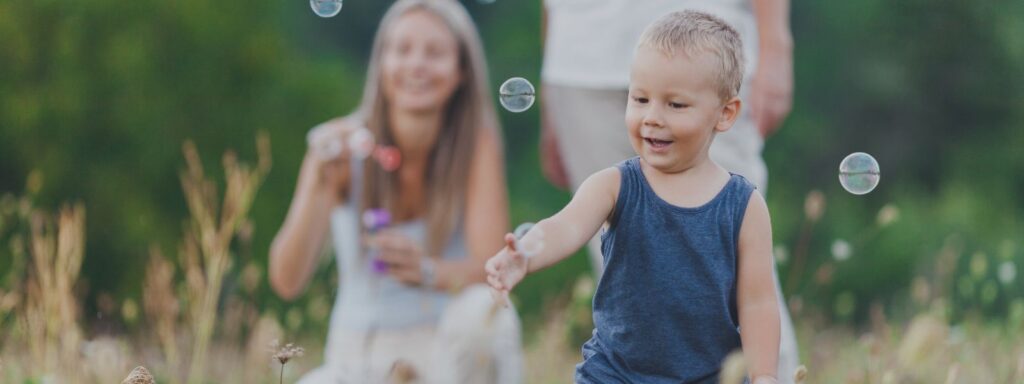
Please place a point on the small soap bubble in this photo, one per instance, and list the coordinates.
(325, 8)
(323, 143)
(361, 143)
(516, 94)
(536, 242)
(389, 157)
(859, 173)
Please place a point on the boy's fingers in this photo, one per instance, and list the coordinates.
(493, 282)
(497, 295)
(510, 240)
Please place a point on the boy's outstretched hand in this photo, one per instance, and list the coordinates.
(506, 269)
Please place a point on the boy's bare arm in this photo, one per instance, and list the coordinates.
(571, 228)
(560, 235)
(757, 302)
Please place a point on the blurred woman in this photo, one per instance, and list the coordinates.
(408, 304)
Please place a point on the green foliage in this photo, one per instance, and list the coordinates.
(98, 95)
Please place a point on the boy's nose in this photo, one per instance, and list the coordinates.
(653, 118)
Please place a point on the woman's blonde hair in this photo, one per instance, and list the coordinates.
(469, 109)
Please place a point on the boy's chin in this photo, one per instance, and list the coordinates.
(660, 161)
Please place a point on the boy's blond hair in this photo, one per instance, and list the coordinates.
(692, 33)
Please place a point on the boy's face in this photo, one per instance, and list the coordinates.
(674, 108)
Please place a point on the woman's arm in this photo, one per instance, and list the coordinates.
(758, 306)
(294, 251)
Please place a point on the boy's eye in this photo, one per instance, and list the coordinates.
(677, 105)
(641, 100)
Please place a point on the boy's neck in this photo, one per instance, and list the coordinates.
(692, 186)
(699, 165)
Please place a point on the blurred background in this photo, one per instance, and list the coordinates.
(97, 98)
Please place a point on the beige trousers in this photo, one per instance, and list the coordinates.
(475, 341)
(591, 130)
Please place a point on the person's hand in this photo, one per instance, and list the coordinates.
(328, 152)
(771, 89)
(550, 157)
(506, 269)
(403, 256)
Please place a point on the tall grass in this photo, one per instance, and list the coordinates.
(50, 314)
(205, 249)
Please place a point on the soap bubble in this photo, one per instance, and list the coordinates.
(324, 143)
(859, 173)
(536, 242)
(361, 143)
(325, 8)
(389, 157)
(516, 94)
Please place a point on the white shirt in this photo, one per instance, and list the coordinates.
(590, 43)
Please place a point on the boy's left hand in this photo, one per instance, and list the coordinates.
(506, 269)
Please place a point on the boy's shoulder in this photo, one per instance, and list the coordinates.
(604, 181)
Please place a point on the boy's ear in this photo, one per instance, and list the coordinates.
(730, 112)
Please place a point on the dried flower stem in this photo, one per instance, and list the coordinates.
(205, 251)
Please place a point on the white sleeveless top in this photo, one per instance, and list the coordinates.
(366, 299)
(590, 43)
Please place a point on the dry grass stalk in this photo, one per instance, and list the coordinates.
(207, 241)
(814, 209)
(734, 369)
(800, 375)
(161, 306)
(139, 375)
(51, 311)
(284, 354)
(265, 332)
(104, 359)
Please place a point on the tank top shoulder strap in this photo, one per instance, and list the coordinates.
(630, 187)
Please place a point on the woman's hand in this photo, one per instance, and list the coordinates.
(329, 152)
(403, 256)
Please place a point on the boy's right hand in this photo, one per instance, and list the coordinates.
(506, 269)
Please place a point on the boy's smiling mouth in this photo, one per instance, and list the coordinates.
(656, 143)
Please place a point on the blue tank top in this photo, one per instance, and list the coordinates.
(665, 308)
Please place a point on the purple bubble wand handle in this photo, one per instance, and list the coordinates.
(375, 220)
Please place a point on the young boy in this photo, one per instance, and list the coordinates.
(687, 248)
